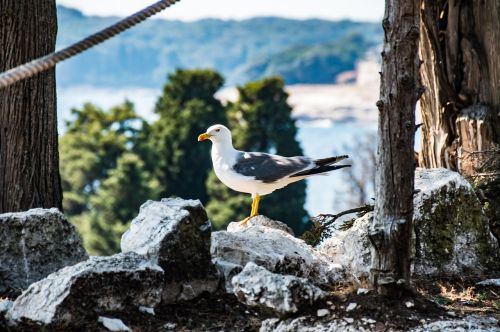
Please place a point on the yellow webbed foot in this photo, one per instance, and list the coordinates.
(244, 221)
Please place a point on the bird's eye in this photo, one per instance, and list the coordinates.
(217, 130)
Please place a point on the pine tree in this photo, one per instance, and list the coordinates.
(104, 180)
(186, 108)
(261, 121)
(115, 204)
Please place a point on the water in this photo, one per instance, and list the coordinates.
(319, 139)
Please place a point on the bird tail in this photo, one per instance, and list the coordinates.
(323, 166)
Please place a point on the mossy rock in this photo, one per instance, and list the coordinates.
(452, 234)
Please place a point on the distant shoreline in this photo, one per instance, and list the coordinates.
(321, 103)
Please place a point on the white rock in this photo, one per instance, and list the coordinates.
(5, 305)
(169, 326)
(362, 291)
(489, 282)
(35, 243)
(305, 324)
(275, 250)
(351, 306)
(175, 234)
(113, 324)
(282, 294)
(476, 323)
(70, 296)
(351, 248)
(147, 310)
(368, 320)
(259, 221)
(322, 312)
(349, 320)
(451, 231)
(409, 304)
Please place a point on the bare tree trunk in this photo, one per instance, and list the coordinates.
(390, 233)
(461, 105)
(29, 159)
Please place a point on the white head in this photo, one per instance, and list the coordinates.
(217, 134)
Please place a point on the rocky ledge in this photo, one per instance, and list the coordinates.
(174, 269)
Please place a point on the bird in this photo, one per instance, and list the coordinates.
(259, 173)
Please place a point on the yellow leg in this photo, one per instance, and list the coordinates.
(255, 209)
(255, 206)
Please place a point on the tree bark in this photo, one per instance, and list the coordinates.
(29, 159)
(461, 104)
(461, 73)
(390, 233)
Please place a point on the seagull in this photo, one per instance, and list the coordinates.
(259, 173)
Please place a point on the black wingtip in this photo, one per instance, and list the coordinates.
(330, 160)
(319, 170)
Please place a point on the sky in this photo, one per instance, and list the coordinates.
(189, 10)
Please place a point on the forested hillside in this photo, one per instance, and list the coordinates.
(310, 51)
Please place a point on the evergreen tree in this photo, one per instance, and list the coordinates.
(260, 121)
(115, 204)
(186, 108)
(104, 181)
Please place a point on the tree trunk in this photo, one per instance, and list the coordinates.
(461, 105)
(390, 233)
(29, 159)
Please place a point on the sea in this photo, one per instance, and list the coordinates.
(319, 138)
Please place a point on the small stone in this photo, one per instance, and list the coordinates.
(113, 324)
(147, 310)
(368, 320)
(169, 326)
(362, 291)
(282, 294)
(409, 304)
(351, 306)
(451, 313)
(349, 320)
(490, 282)
(5, 305)
(322, 312)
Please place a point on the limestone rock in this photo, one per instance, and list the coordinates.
(273, 249)
(305, 324)
(283, 294)
(175, 234)
(351, 248)
(489, 283)
(259, 221)
(476, 323)
(113, 324)
(82, 292)
(451, 232)
(34, 244)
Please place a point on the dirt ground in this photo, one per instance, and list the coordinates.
(433, 300)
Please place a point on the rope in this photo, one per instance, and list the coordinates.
(33, 67)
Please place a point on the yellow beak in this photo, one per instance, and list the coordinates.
(203, 137)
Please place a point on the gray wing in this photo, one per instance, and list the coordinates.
(269, 168)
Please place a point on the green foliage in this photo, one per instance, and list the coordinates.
(260, 121)
(312, 64)
(141, 56)
(112, 161)
(104, 181)
(186, 109)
